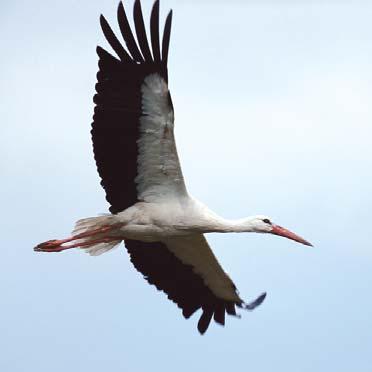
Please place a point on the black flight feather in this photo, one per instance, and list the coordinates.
(113, 41)
(166, 38)
(190, 309)
(230, 309)
(205, 319)
(104, 55)
(219, 314)
(161, 268)
(127, 34)
(154, 29)
(141, 31)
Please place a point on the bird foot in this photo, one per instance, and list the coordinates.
(50, 246)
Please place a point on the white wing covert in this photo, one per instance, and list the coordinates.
(159, 172)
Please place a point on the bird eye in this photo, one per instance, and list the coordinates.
(266, 220)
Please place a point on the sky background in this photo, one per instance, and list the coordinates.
(273, 116)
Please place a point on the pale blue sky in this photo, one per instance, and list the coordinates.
(273, 116)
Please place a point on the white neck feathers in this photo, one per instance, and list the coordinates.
(226, 226)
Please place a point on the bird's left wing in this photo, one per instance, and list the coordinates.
(132, 132)
(186, 269)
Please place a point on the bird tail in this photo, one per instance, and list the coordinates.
(97, 243)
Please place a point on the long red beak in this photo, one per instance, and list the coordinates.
(281, 231)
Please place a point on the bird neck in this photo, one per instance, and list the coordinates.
(240, 225)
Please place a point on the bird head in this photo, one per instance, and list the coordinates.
(263, 224)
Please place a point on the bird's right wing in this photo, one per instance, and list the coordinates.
(132, 132)
(189, 273)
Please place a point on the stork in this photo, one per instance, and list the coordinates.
(134, 147)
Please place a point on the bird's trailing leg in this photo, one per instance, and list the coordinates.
(83, 240)
(54, 246)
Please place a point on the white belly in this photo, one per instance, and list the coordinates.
(157, 221)
(151, 233)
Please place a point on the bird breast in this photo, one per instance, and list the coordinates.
(157, 221)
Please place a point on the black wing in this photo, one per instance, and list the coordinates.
(115, 129)
(185, 285)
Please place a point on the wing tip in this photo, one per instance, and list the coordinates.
(154, 30)
(142, 48)
(120, 9)
(170, 17)
(99, 50)
(102, 20)
(140, 29)
(218, 313)
(205, 320)
(166, 37)
(252, 305)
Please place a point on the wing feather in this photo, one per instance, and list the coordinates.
(141, 31)
(219, 314)
(113, 41)
(166, 37)
(127, 105)
(127, 34)
(205, 319)
(190, 280)
(154, 29)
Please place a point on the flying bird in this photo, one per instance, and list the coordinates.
(162, 226)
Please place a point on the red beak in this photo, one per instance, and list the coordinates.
(281, 231)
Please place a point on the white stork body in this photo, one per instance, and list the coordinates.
(135, 151)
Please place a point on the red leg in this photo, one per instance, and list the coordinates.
(58, 245)
(51, 247)
(86, 234)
